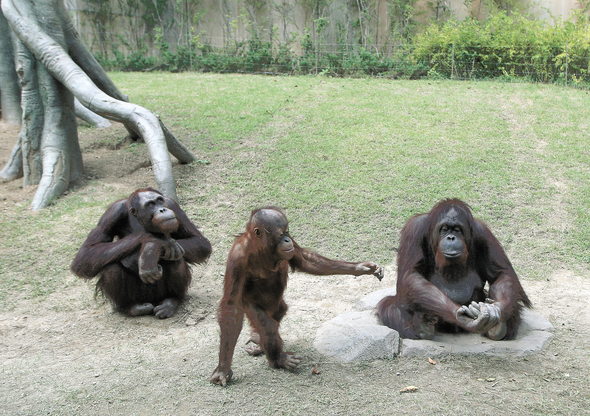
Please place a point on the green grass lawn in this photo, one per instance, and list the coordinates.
(354, 158)
(349, 160)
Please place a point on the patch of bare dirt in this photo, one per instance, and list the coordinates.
(69, 354)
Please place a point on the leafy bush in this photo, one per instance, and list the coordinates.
(506, 46)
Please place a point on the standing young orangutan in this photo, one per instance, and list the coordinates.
(445, 259)
(255, 279)
(141, 248)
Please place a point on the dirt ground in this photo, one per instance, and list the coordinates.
(70, 354)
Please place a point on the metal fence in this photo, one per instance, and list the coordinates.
(558, 64)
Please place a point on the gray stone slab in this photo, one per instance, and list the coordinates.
(475, 344)
(359, 335)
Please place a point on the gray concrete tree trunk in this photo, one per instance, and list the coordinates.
(54, 69)
(9, 89)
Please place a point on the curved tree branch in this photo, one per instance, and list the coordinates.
(178, 150)
(63, 68)
(88, 116)
(14, 167)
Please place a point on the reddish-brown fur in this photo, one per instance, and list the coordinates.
(431, 287)
(255, 279)
(112, 250)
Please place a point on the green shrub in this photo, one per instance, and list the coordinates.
(506, 46)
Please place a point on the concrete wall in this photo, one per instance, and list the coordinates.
(221, 22)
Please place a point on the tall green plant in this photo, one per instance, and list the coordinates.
(254, 10)
(285, 10)
(101, 16)
(402, 15)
